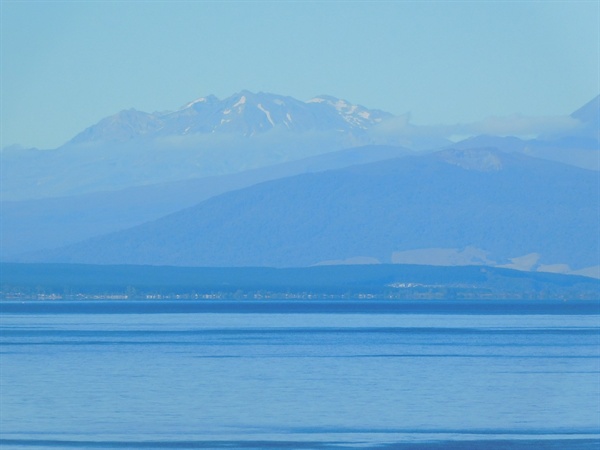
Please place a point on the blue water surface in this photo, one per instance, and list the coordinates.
(299, 375)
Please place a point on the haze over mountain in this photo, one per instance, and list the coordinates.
(453, 207)
(579, 146)
(135, 167)
(206, 137)
(209, 137)
(589, 116)
(32, 225)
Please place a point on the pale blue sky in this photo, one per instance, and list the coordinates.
(65, 65)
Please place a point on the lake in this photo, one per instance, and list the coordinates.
(437, 375)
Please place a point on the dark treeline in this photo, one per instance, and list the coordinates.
(397, 281)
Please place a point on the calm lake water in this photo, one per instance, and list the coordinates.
(299, 375)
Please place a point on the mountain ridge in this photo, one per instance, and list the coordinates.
(244, 113)
(522, 206)
(209, 137)
(31, 225)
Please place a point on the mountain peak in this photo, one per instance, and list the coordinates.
(244, 113)
(323, 98)
(355, 115)
(589, 117)
(590, 112)
(208, 99)
(122, 126)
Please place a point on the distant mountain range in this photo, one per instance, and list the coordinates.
(245, 114)
(211, 137)
(206, 137)
(39, 224)
(264, 179)
(454, 207)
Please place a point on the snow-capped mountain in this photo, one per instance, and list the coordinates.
(212, 137)
(205, 137)
(244, 113)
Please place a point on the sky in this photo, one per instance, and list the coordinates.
(66, 65)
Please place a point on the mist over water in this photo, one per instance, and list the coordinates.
(239, 378)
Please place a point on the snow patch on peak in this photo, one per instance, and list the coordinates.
(279, 102)
(209, 99)
(241, 101)
(267, 113)
(342, 104)
(198, 100)
(327, 99)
